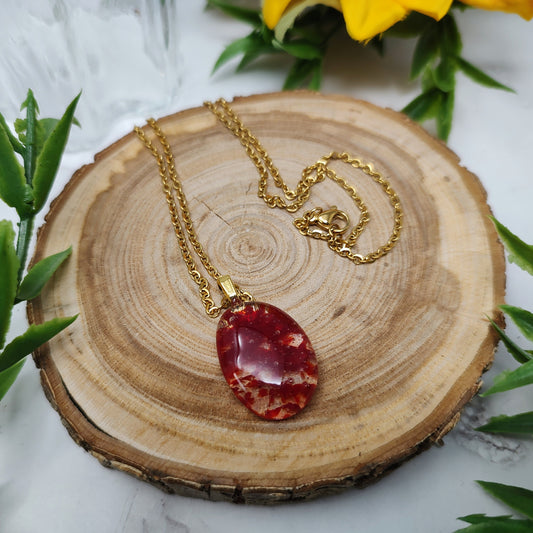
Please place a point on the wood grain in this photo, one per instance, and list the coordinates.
(401, 343)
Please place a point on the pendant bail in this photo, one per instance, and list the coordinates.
(228, 287)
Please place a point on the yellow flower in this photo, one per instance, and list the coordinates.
(368, 18)
(364, 18)
(524, 8)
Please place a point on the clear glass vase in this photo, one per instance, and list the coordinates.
(123, 55)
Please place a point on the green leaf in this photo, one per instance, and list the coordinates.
(522, 318)
(50, 156)
(480, 517)
(424, 106)
(522, 356)
(17, 146)
(9, 265)
(250, 16)
(512, 379)
(250, 43)
(444, 74)
(254, 53)
(520, 253)
(479, 76)
(44, 129)
(445, 115)
(497, 524)
(426, 50)
(517, 498)
(39, 274)
(8, 377)
(515, 424)
(301, 70)
(450, 37)
(411, 26)
(31, 339)
(300, 49)
(13, 189)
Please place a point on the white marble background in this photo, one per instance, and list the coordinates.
(49, 484)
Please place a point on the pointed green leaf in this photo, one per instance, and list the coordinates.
(31, 339)
(9, 265)
(8, 377)
(240, 46)
(45, 127)
(497, 524)
(481, 517)
(520, 253)
(426, 50)
(444, 74)
(445, 115)
(17, 146)
(13, 188)
(251, 55)
(300, 71)
(522, 318)
(512, 379)
(522, 356)
(250, 16)
(515, 424)
(424, 106)
(39, 274)
(517, 498)
(479, 76)
(450, 37)
(300, 49)
(50, 156)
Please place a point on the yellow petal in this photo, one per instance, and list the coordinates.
(432, 8)
(367, 18)
(524, 8)
(272, 11)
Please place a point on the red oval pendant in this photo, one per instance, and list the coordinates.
(266, 359)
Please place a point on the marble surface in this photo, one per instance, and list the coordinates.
(49, 484)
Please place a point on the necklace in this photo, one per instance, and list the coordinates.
(265, 356)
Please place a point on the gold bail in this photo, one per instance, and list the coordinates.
(227, 287)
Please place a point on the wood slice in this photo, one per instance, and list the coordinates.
(401, 343)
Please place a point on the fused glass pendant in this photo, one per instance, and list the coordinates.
(266, 359)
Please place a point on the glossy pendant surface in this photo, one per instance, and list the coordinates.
(266, 359)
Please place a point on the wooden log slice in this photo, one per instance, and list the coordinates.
(401, 342)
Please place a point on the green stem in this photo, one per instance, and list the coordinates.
(29, 155)
(23, 244)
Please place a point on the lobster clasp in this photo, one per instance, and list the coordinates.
(333, 220)
(321, 224)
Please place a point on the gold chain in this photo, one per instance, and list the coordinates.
(328, 225)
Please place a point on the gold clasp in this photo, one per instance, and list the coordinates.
(328, 224)
(329, 220)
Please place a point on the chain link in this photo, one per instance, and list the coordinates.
(312, 223)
